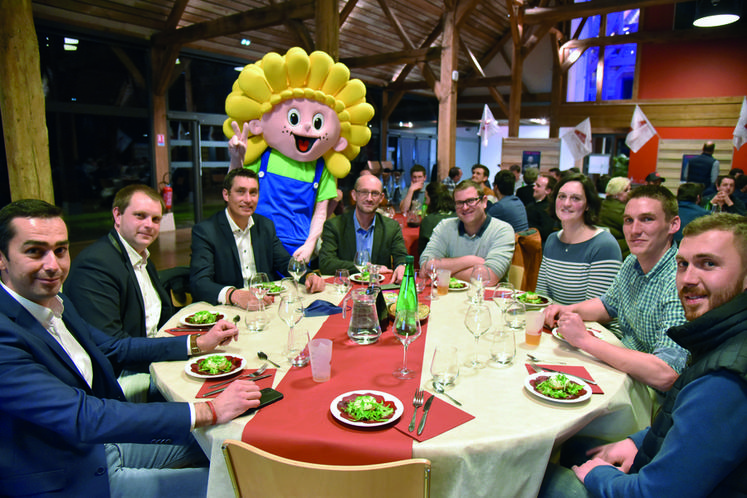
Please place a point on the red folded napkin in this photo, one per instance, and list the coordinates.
(208, 385)
(570, 370)
(184, 331)
(442, 417)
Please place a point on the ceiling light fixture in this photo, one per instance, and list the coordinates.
(246, 42)
(710, 13)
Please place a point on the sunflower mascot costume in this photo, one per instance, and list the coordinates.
(297, 120)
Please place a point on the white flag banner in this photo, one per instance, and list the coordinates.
(488, 126)
(578, 139)
(642, 131)
(740, 132)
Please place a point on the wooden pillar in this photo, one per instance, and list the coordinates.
(328, 28)
(556, 97)
(22, 104)
(517, 67)
(384, 128)
(446, 91)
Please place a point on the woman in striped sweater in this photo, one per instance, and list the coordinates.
(580, 261)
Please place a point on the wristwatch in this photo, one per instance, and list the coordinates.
(194, 349)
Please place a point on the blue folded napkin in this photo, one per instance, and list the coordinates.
(321, 308)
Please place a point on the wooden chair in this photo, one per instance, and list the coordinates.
(516, 276)
(255, 472)
(528, 255)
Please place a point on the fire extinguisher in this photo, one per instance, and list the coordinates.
(167, 193)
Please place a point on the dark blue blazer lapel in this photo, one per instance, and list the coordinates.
(226, 248)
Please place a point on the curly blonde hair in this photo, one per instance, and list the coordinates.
(277, 78)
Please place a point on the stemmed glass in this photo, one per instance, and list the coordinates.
(407, 329)
(503, 296)
(297, 268)
(259, 284)
(290, 311)
(431, 266)
(342, 281)
(478, 321)
(362, 258)
(479, 277)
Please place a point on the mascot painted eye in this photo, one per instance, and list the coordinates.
(294, 117)
(318, 121)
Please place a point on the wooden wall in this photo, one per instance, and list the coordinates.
(513, 149)
(669, 161)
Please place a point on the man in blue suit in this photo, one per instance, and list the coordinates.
(234, 244)
(67, 429)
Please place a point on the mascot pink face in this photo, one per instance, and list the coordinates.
(301, 129)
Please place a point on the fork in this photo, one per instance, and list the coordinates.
(252, 375)
(417, 402)
(537, 360)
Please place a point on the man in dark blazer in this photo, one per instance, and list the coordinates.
(102, 282)
(68, 430)
(218, 273)
(363, 226)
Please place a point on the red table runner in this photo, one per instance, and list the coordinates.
(301, 426)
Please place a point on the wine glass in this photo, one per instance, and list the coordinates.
(478, 321)
(503, 296)
(342, 281)
(259, 284)
(479, 278)
(407, 329)
(297, 268)
(445, 365)
(431, 266)
(362, 258)
(290, 311)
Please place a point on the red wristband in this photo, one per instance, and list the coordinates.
(212, 410)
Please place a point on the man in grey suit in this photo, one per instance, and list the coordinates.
(363, 228)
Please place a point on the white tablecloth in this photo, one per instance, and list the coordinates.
(502, 452)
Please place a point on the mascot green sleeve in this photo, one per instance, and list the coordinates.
(297, 120)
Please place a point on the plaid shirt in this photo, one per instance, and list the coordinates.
(450, 184)
(646, 306)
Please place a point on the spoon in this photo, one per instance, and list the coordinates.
(440, 390)
(537, 360)
(236, 319)
(264, 357)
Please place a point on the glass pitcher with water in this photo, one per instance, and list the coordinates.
(364, 325)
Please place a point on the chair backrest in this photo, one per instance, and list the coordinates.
(176, 282)
(516, 276)
(528, 254)
(255, 472)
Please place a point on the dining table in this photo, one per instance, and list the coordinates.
(500, 447)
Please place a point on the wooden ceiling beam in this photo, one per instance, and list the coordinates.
(177, 11)
(463, 83)
(349, 6)
(250, 20)
(695, 34)
(554, 15)
(300, 32)
(414, 56)
(476, 66)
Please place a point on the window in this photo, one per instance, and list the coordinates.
(604, 73)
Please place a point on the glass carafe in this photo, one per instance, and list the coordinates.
(364, 325)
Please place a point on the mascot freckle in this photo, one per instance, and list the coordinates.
(303, 119)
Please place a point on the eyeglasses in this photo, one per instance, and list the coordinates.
(373, 193)
(468, 202)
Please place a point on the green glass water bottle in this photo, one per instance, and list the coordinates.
(408, 293)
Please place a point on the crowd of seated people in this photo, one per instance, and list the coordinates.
(114, 304)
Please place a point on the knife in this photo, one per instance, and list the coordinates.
(536, 367)
(426, 409)
(216, 391)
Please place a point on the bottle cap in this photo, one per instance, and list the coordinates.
(409, 259)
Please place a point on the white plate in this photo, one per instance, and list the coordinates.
(460, 289)
(580, 399)
(560, 337)
(192, 361)
(358, 279)
(183, 320)
(399, 408)
(530, 306)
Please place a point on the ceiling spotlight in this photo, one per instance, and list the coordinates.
(246, 42)
(710, 13)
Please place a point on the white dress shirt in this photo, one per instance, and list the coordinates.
(151, 300)
(243, 240)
